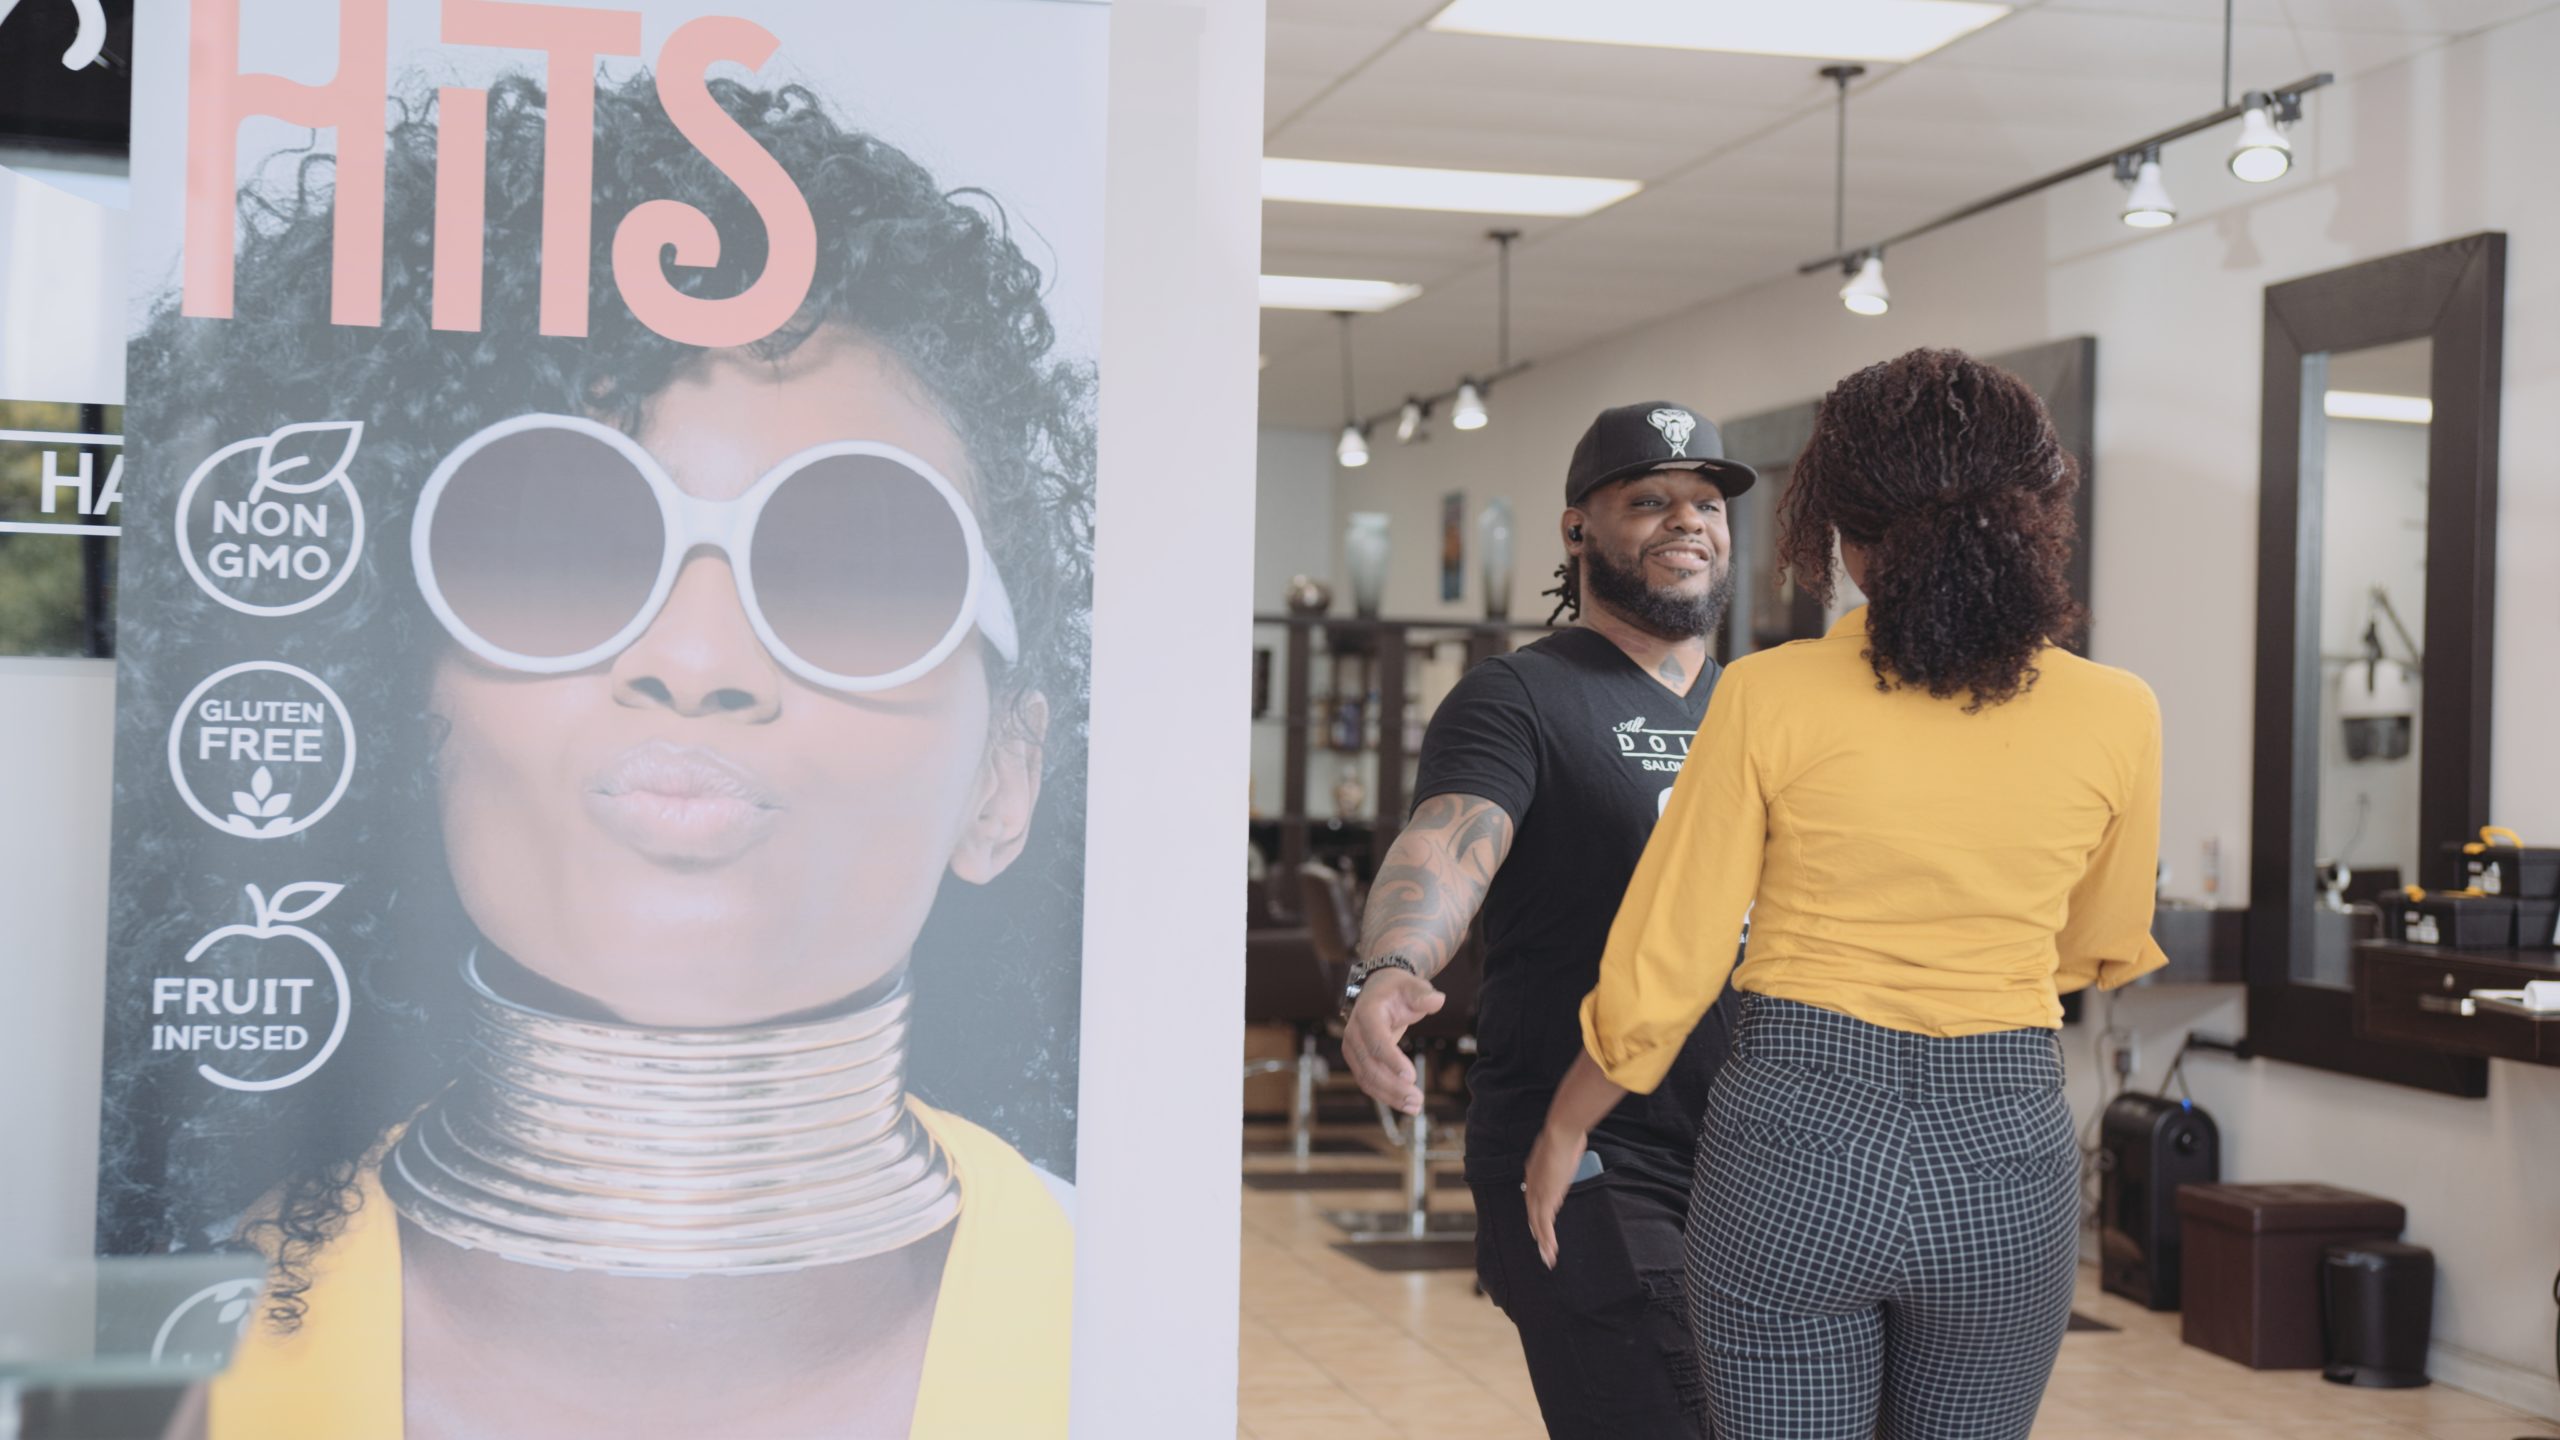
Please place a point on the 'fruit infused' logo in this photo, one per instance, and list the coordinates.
(265, 1003)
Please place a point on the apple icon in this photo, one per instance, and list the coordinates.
(274, 925)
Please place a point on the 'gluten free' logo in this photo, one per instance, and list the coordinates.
(262, 749)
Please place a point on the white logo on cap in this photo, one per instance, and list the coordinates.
(1675, 426)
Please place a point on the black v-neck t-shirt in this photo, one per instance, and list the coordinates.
(1579, 746)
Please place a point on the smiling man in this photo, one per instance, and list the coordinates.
(1542, 776)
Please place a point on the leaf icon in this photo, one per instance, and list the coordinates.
(261, 784)
(246, 803)
(298, 901)
(294, 449)
(232, 1311)
(275, 827)
(242, 825)
(275, 805)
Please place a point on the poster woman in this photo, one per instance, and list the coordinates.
(721, 715)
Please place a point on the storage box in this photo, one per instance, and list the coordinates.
(2528, 872)
(2538, 924)
(2250, 1271)
(2458, 922)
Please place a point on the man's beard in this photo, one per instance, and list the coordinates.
(1664, 614)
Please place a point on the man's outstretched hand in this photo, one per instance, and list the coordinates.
(1373, 1039)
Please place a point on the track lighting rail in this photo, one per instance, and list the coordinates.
(2287, 97)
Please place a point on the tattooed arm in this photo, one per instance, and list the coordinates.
(1420, 905)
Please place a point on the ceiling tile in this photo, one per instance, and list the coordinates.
(1629, 156)
(2424, 16)
(1532, 71)
(2075, 42)
(1738, 153)
(1383, 16)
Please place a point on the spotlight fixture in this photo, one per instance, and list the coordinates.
(2262, 153)
(1865, 293)
(1409, 420)
(1352, 450)
(2147, 205)
(1468, 413)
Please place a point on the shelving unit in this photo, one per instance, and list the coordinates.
(1371, 665)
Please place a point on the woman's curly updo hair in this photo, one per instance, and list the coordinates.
(933, 275)
(1948, 472)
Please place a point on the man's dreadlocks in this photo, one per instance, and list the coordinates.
(1568, 591)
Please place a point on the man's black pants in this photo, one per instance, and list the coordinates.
(1607, 1331)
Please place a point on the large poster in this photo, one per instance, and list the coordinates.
(608, 506)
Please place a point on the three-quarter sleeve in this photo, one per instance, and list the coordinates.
(1674, 941)
(2106, 941)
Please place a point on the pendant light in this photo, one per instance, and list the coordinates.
(1352, 450)
(1865, 293)
(1468, 412)
(2262, 153)
(2147, 205)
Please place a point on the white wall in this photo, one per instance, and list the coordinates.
(2452, 142)
(61, 324)
(1293, 527)
(1160, 1128)
(57, 726)
(1293, 534)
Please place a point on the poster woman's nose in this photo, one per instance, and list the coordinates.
(700, 658)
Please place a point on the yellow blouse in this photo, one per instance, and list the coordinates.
(1913, 866)
(995, 1364)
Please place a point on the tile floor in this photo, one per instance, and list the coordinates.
(1335, 1351)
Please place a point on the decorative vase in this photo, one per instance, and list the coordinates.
(1349, 795)
(1493, 542)
(1364, 553)
(1309, 598)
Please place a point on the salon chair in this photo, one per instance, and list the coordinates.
(1446, 1037)
(1288, 982)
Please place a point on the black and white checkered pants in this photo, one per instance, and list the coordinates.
(1884, 1230)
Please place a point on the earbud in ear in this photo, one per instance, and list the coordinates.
(1574, 534)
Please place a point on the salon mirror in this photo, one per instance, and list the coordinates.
(2377, 573)
(2370, 471)
(1769, 610)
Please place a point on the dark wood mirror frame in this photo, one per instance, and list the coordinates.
(2064, 373)
(2453, 294)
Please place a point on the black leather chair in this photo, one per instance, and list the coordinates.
(1446, 1037)
(1287, 982)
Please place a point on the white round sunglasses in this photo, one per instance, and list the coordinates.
(549, 543)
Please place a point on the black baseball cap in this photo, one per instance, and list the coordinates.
(1651, 435)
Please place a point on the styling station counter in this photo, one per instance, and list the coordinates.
(2424, 996)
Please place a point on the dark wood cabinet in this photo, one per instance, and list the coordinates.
(2421, 995)
(1344, 692)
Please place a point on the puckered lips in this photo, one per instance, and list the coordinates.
(686, 806)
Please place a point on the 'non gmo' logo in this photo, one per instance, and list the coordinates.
(271, 525)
